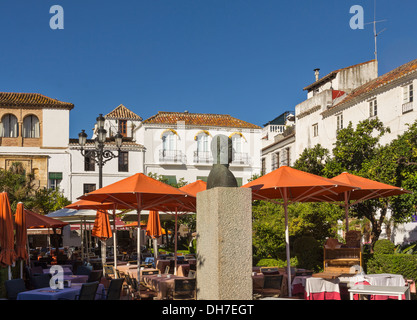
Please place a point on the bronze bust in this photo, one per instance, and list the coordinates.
(220, 175)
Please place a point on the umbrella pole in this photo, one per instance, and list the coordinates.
(176, 240)
(114, 243)
(287, 242)
(139, 202)
(346, 211)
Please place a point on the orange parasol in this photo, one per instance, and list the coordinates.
(21, 233)
(368, 189)
(292, 185)
(195, 187)
(153, 228)
(102, 228)
(36, 220)
(7, 254)
(139, 192)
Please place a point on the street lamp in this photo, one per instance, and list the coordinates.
(99, 154)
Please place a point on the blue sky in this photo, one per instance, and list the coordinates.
(247, 58)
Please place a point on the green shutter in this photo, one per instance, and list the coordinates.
(202, 178)
(239, 181)
(171, 180)
(55, 175)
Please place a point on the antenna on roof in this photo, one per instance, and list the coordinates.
(376, 34)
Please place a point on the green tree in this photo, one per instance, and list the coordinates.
(313, 160)
(47, 200)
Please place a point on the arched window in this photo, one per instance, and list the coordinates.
(31, 127)
(237, 143)
(9, 127)
(169, 141)
(202, 143)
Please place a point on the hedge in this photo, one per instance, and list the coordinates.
(403, 264)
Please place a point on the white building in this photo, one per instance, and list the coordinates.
(354, 94)
(34, 131)
(178, 145)
(278, 142)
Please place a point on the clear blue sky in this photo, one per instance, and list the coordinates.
(246, 58)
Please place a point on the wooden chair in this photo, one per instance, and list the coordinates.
(184, 289)
(272, 285)
(109, 271)
(115, 289)
(167, 270)
(95, 275)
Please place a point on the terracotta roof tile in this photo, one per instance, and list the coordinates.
(381, 81)
(121, 112)
(13, 99)
(199, 119)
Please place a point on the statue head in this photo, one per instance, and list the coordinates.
(222, 149)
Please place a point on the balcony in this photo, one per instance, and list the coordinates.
(407, 107)
(240, 158)
(172, 157)
(203, 157)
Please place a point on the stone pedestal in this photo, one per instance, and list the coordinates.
(224, 244)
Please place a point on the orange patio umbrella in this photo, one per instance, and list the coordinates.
(154, 229)
(368, 189)
(139, 192)
(21, 236)
(36, 220)
(92, 205)
(102, 228)
(292, 185)
(195, 187)
(7, 253)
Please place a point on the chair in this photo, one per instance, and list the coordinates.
(269, 271)
(14, 287)
(95, 275)
(88, 291)
(41, 280)
(150, 272)
(115, 289)
(83, 270)
(109, 271)
(132, 286)
(184, 289)
(272, 285)
(191, 274)
(166, 270)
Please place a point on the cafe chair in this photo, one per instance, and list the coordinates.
(166, 270)
(184, 289)
(88, 291)
(272, 285)
(14, 287)
(109, 272)
(41, 280)
(115, 289)
(83, 271)
(132, 287)
(95, 275)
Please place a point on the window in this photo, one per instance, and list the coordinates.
(202, 143)
(55, 179)
(315, 130)
(89, 187)
(203, 178)
(171, 180)
(275, 161)
(373, 109)
(288, 159)
(89, 164)
(123, 127)
(237, 143)
(9, 127)
(123, 161)
(339, 121)
(263, 166)
(169, 141)
(408, 93)
(31, 127)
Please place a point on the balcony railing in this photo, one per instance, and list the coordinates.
(203, 157)
(407, 107)
(172, 156)
(240, 158)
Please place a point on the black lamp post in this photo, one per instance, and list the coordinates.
(99, 155)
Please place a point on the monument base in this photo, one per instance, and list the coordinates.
(224, 244)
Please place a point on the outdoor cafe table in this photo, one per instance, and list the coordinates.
(133, 270)
(298, 284)
(57, 294)
(163, 284)
(383, 280)
(322, 289)
(67, 271)
(396, 291)
(76, 278)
